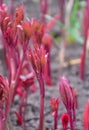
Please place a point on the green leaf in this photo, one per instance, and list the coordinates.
(74, 34)
(73, 17)
(73, 31)
(82, 4)
(35, 1)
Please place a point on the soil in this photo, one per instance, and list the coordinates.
(73, 51)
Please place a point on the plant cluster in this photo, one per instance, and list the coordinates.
(17, 37)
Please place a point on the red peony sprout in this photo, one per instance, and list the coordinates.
(55, 104)
(68, 96)
(38, 60)
(84, 52)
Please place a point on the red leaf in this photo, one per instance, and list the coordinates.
(19, 117)
(19, 15)
(27, 80)
(54, 103)
(53, 22)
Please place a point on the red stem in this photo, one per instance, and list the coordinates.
(72, 127)
(2, 125)
(86, 33)
(42, 96)
(62, 9)
(44, 7)
(56, 120)
(23, 104)
(48, 62)
(20, 67)
(64, 128)
(12, 7)
(83, 57)
(1, 2)
(74, 117)
(48, 76)
(2, 121)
